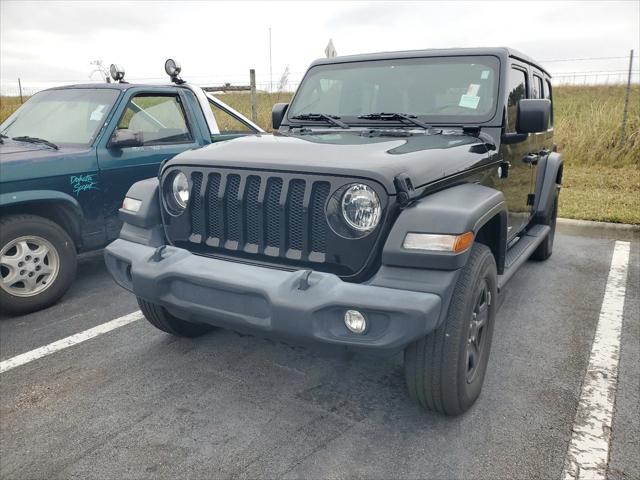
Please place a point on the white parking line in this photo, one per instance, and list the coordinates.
(589, 448)
(32, 355)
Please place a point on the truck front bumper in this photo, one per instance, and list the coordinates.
(253, 298)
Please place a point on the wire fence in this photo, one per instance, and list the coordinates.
(594, 76)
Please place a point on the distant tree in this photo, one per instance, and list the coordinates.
(100, 69)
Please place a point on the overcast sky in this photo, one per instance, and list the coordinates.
(48, 42)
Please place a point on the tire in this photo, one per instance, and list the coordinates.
(545, 249)
(163, 320)
(20, 259)
(439, 373)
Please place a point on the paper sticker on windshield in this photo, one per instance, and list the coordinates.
(98, 113)
(473, 89)
(469, 101)
(485, 74)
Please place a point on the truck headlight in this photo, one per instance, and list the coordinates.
(177, 195)
(361, 207)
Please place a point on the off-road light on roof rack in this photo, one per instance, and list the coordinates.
(117, 72)
(173, 70)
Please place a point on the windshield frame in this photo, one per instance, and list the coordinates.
(98, 131)
(433, 120)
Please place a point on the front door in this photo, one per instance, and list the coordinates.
(166, 130)
(519, 158)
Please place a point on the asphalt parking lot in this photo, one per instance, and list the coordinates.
(136, 403)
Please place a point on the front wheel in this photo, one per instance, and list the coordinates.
(445, 370)
(37, 263)
(160, 318)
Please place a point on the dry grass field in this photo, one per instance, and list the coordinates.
(602, 175)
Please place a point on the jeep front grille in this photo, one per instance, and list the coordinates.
(274, 217)
(259, 214)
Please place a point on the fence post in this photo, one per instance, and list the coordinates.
(20, 88)
(252, 83)
(626, 101)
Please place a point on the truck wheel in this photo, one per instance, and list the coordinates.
(445, 370)
(37, 263)
(163, 320)
(545, 249)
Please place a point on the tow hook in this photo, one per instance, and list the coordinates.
(157, 254)
(304, 280)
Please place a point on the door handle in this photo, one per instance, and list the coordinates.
(531, 158)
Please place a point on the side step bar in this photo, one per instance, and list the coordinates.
(521, 251)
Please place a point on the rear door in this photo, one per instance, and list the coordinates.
(167, 128)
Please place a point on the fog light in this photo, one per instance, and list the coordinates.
(131, 204)
(355, 321)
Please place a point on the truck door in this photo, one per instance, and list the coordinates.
(520, 158)
(166, 128)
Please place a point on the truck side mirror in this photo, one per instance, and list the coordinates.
(533, 115)
(123, 138)
(277, 114)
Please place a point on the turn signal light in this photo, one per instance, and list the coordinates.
(438, 243)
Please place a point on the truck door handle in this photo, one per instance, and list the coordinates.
(531, 158)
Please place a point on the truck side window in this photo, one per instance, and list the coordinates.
(537, 87)
(547, 95)
(160, 118)
(227, 123)
(517, 90)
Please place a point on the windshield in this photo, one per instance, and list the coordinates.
(436, 89)
(67, 116)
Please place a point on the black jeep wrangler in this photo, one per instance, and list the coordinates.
(398, 196)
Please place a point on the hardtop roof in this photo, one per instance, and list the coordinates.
(433, 52)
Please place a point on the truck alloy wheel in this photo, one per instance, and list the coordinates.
(28, 266)
(37, 263)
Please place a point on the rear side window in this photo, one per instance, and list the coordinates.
(538, 90)
(548, 96)
(517, 89)
(227, 123)
(160, 119)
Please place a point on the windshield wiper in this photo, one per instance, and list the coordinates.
(26, 138)
(395, 116)
(333, 119)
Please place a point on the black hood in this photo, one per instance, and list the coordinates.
(424, 157)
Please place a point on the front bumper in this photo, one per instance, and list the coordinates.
(253, 298)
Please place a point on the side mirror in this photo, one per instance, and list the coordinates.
(533, 115)
(123, 138)
(277, 114)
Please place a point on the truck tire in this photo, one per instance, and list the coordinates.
(163, 320)
(545, 249)
(445, 370)
(37, 263)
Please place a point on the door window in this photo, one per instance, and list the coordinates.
(160, 119)
(227, 123)
(517, 91)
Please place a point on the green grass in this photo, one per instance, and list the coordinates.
(601, 175)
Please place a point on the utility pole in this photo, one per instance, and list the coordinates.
(252, 83)
(270, 65)
(20, 88)
(626, 101)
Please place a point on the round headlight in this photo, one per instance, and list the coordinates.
(361, 207)
(179, 190)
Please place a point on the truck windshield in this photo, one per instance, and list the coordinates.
(435, 89)
(66, 116)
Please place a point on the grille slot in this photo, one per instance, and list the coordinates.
(259, 213)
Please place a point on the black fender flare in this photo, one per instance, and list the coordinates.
(453, 211)
(548, 180)
(148, 215)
